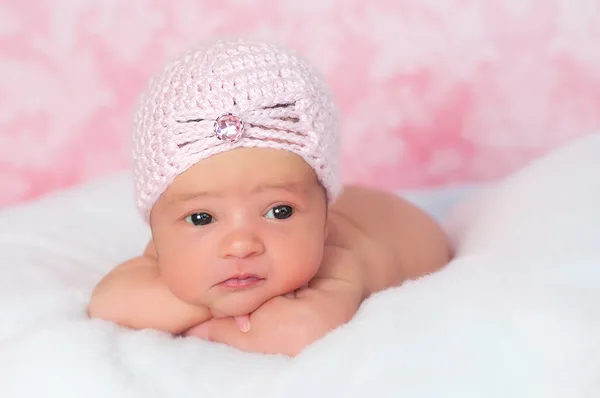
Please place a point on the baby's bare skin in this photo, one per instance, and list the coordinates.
(373, 241)
(362, 257)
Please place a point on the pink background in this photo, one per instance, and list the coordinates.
(431, 92)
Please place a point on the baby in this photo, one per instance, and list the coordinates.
(254, 242)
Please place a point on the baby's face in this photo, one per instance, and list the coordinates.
(239, 228)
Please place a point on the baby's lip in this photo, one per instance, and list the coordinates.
(240, 281)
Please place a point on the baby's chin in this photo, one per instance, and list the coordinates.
(239, 303)
(242, 302)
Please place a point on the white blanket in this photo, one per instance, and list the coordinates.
(516, 314)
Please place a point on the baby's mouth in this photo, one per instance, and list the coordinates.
(242, 281)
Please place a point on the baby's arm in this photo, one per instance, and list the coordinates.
(134, 295)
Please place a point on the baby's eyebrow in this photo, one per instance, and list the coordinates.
(187, 196)
(296, 187)
(292, 186)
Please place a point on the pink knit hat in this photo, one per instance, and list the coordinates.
(229, 94)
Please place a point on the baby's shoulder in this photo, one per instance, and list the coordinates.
(365, 212)
(355, 226)
(404, 238)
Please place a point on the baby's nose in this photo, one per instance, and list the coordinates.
(241, 244)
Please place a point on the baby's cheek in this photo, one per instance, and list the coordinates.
(181, 277)
(299, 272)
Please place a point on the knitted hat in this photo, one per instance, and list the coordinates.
(229, 94)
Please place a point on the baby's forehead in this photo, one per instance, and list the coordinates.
(252, 165)
(200, 191)
(244, 173)
(236, 183)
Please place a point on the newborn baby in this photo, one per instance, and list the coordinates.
(255, 243)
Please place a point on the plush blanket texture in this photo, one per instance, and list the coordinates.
(516, 314)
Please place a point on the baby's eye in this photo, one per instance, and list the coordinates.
(280, 212)
(199, 219)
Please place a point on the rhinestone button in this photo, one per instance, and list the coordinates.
(228, 127)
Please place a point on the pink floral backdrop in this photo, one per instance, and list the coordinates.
(431, 91)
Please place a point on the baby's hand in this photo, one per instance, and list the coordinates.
(278, 326)
(242, 322)
(285, 325)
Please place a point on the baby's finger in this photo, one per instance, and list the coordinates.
(226, 331)
(243, 323)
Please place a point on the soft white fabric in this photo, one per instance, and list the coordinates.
(515, 315)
